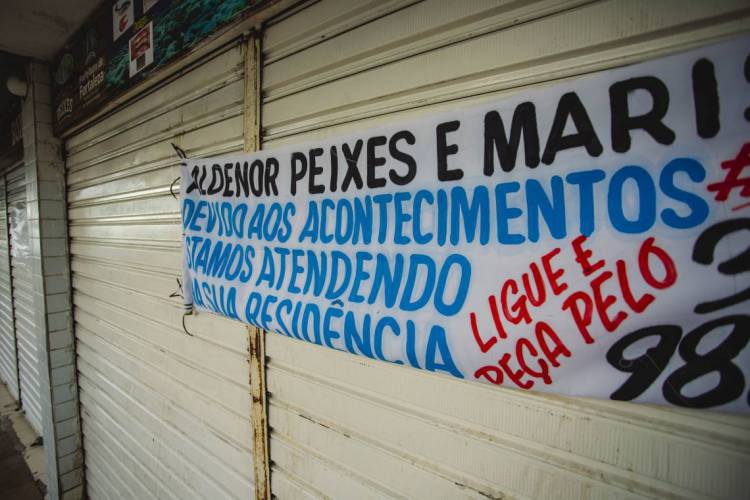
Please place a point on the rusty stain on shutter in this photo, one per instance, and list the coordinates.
(256, 336)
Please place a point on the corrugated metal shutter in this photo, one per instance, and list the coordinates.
(164, 414)
(27, 338)
(8, 359)
(349, 427)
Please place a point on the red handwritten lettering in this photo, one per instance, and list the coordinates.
(670, 270)
(484, 346)
(604, 302)
(490, 373)
(541, 293)
(519, 307)
(609, 296)
(583, 256)
(543, 371)
(516, 376)
(553, 276)
(545, 333)
(582, 318)
(496, 317)
(637, 305)
(734, 167)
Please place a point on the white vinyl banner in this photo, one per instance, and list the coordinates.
(589, 238)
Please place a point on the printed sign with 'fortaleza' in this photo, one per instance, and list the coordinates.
(590, 237)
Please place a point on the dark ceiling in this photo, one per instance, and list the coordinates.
(39, 28)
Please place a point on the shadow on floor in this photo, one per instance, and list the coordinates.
(16, 480)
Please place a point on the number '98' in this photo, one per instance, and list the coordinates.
(646, 368)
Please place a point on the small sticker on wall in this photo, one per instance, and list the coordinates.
(122, 17)
(141, 49)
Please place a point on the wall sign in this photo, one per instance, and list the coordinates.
(587, 238)
(122, 17)
(124, 41)
(141, 49)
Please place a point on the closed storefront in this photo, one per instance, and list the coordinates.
(8, 356)
(349, 427)
(27, 333)
(164, 412)
(141, 400)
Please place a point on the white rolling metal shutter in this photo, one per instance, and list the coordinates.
(164, 414)
(348, 427)
(8, 359)
(23, 299)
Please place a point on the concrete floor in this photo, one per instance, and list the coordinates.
(22, 475)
